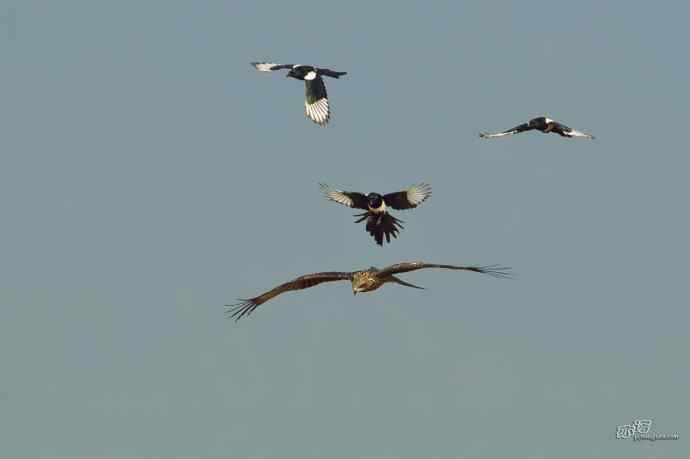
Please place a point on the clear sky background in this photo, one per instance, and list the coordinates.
(149, 175)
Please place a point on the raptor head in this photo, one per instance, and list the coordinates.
(365, 281)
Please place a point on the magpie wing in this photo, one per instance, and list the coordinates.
(346, 198)
(270, 66)
(566, 131)
(519, 128)
(316, 105)
(409, 198)
(331, 73)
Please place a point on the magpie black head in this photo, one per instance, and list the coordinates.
(299, 72)
(538, 121)
(374, 200)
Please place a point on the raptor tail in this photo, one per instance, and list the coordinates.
(406, 284)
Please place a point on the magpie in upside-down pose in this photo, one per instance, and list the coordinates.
(366, 280)
(543, 124)
(316, 105)
(379, 221)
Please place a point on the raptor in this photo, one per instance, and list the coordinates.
(366, 280)
(316, 106)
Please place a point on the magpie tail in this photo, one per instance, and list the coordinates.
(362, 216)
(381, 225)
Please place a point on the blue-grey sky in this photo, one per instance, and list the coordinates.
(149, 176)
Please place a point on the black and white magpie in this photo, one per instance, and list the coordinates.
(316, 105)
(379, 222)
(543, 124)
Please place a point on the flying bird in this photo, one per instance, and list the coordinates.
(543, 124)
(379, 222)
(366, 280)
(316, 105)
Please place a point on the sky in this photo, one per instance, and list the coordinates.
(150, 176)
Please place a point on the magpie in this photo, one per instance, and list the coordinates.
(379, 222)
(316, 105)
(543, 124)
(365, 280)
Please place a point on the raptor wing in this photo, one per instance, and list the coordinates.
(492, 270)
(246, 306)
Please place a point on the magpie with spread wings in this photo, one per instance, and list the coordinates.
(379, 222)
(316, 105)
(366, 280)
(542, 124)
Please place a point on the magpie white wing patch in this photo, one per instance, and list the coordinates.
(319, 111)
(310, 75)
(336, 195)
(417, 194)
(264, 66)
(487, 135)
(574, 133)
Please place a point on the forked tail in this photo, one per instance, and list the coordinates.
(406, 284)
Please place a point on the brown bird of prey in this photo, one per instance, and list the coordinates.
(365, 280)
(542, 124)
(379, 222)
